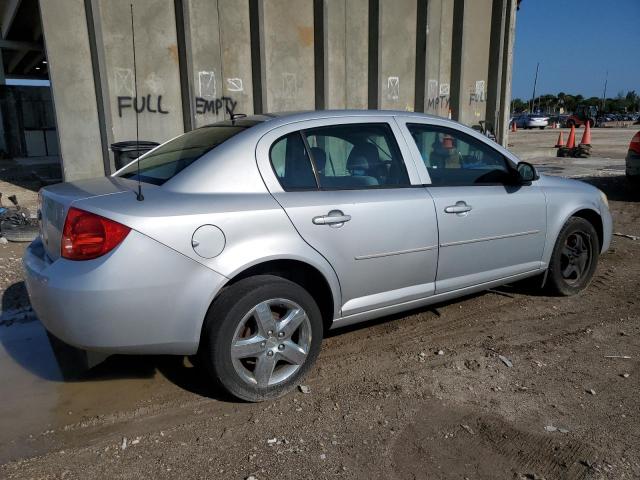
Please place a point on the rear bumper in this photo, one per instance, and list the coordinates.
(142, 298)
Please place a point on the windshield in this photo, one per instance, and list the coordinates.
(169, 159)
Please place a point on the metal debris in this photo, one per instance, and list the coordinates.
(304, 388)
(468, 429)
(626, 235)
(506, 361)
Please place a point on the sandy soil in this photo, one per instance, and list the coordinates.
(384, 403)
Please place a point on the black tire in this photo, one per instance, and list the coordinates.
(223, 319)
(541, 128)
(571, 123)
(559, 280)
(634, 179)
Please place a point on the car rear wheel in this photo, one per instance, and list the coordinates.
(261, 336)
(574, 258)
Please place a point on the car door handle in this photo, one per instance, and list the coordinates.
(333, 218)
(459, 207)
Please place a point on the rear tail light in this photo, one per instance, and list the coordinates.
(86, 235)
(635, 143)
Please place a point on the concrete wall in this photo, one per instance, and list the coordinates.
(397, 53)
(158, 102)
(472, 26)
(346, 50)
(438, 62)
(219, 59)
(288, 46)
(199, 61)
(74, 95)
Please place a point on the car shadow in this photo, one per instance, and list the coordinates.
(618, 188)
(27, 344)
(528, 286)
(48, 358)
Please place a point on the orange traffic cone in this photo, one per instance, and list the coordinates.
(571, 143)
(514, 127)
(560, 142)
(586, 137)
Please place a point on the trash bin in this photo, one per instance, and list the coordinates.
(126, 152)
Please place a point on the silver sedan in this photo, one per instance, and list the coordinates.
(252, 237)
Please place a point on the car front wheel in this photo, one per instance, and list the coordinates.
(574, 258)
(261, 336)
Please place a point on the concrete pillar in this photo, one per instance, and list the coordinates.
(235, 40)
(470, 60)
(204, 64)
(502, 125)
(397, 54)
(496, 58)
(345, 50)
(66, 38)
(159, 102)
(288, 55)
(218, 59)
(438, 64)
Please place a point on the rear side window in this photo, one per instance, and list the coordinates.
(291, 163)
(339, 157)
(357, 156)
(169, 159)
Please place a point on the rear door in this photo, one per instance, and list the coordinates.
(489, 228)
(351, 195)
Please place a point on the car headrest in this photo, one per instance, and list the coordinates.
(362, 157)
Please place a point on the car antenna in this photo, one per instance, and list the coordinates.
(139, 195)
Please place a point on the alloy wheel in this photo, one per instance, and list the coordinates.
(575, 257)
(271, 342)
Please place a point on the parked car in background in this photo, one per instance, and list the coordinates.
(632, 161)
(561, 120)
(257, 235)
(531, 120)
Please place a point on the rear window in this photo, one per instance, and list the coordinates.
(169, 159)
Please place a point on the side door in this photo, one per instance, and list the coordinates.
(349, 192)
(490, 227)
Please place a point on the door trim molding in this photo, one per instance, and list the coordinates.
(398, 252)
(486, 239)
(400, 307)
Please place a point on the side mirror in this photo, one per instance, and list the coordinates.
(527, 172)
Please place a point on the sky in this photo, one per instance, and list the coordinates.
(576, 42)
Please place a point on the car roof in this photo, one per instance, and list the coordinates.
(264, 122)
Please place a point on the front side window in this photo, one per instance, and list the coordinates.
(454, 158)
(357, 156)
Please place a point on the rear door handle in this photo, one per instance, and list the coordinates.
(460, 208)
(334, 218)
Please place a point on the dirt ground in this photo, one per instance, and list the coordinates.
(423, 395)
